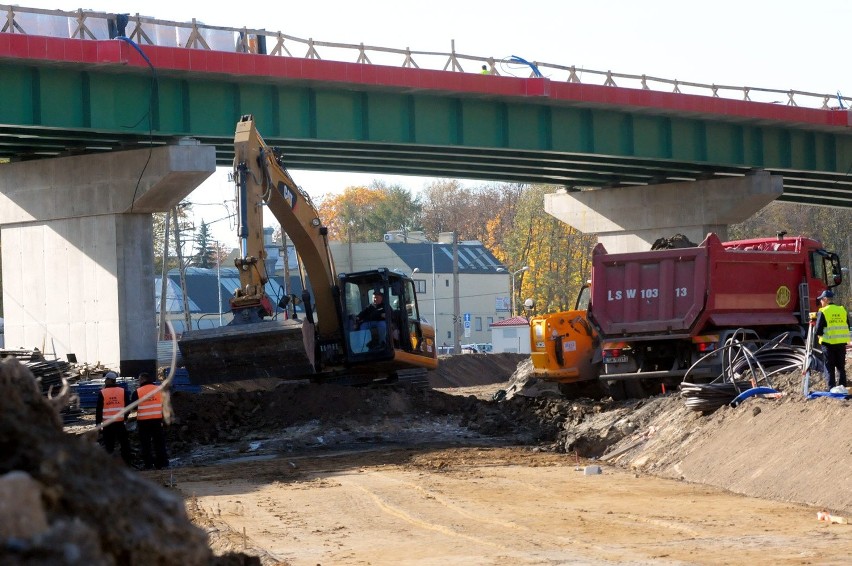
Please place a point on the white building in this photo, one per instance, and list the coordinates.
(483, 291)
(511, 335)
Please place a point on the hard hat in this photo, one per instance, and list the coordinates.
(827, 294)
(111, 375)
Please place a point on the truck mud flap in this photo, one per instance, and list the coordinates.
(246, 351)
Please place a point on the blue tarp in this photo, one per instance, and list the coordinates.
(815, 394)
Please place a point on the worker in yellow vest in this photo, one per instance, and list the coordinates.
(111, 403)
(832, 327)
(149, 423)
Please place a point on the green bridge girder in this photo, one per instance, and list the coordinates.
(52, 110)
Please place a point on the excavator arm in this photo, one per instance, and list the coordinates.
(254, 344)
(261, 179)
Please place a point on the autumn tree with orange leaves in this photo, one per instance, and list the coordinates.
(558, 255)
(365, 214)
(482, 213)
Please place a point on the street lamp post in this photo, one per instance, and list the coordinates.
(434, 297)
(521, 270)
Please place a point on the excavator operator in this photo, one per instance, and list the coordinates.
(373, 318)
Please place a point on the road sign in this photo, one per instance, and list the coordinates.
(467, 317)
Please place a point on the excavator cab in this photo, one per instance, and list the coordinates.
(382, 321)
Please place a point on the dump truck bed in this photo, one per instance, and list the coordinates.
(681, 292)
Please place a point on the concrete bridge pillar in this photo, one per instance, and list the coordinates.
(77, 249)
(629, 219)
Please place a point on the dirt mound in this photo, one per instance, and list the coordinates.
(209, 418)
(474, 369)
(785, 449)
(63, 500)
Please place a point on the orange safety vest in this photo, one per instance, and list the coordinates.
(152, 407)
(113, 402)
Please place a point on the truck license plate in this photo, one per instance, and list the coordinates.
(615, 360)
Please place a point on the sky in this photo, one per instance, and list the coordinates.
(779, 44)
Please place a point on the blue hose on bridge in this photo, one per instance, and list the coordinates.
(536, 72)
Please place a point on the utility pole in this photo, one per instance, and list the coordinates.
(456, 307)
(187, 318)
(284, 253)
(219, 279)
(164, 280)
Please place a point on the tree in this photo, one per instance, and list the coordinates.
(483, 213)
(559, 256)
(159, 226)
(398, 209)
(447, 207)
(204, 248)
(365, 214)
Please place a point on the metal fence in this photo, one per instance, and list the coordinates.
(91, 25)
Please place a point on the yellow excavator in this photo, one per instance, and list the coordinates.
(330, 341)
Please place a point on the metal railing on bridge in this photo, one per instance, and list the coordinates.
(86, 24)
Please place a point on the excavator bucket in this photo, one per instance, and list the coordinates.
(246, 351)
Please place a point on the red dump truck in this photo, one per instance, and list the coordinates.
(647, 317)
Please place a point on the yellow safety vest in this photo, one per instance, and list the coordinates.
(152, 407)
(113, 402)
(836, 325)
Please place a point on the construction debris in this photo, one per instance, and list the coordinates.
(675, 242)
(74, 503)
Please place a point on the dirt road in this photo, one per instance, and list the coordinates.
(490, 505)
(302, 473)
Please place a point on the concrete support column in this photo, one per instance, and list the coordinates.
(77, 250)
(629, 219)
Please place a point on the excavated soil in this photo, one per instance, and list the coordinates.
(299, 465)
(63, 500)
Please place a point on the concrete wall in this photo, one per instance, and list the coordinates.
(629, 219)
(77, 253)
(61, 287)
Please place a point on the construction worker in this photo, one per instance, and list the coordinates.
(484, 71)
(373, 318)
(111, 402)
(149, 424)
(832, 327)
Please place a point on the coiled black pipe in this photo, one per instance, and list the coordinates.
(746, 364)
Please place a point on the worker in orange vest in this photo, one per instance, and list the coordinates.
(111, 402)
(149, 424)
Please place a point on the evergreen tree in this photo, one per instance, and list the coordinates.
(205, 250)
